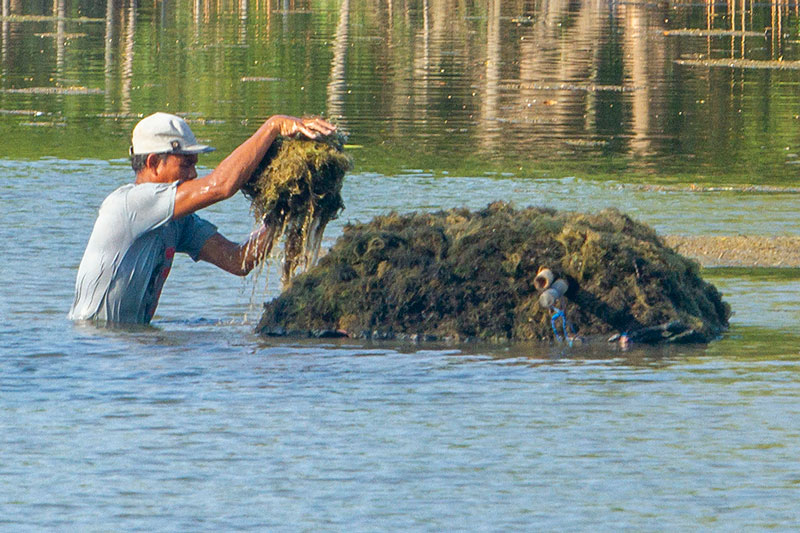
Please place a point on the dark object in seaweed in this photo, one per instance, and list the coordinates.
(463, 275)
(296, 191)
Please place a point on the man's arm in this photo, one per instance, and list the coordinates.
(234, 170)
(235, 258)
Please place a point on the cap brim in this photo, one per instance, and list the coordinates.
(195, 149)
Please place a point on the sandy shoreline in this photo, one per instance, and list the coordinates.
(739, 250)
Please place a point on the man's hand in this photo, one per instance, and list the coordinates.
(234, 170)
(312, 128)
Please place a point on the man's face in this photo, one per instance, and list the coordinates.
(178, 167)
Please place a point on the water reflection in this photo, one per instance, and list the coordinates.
(650, 91)
(490, 134)
(108, 52)
(127, 62)
(59, 9)
(337, 86)
(4, 31)
(179, 423)
(647, 52)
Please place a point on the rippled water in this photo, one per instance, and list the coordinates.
(198, 424)
(229, 434)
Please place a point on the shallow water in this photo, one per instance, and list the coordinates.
(198, 424)
(218, 432)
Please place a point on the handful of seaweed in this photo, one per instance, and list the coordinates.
(462, 275)
(296, 191)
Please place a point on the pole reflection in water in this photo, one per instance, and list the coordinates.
(108, 55)
(127, 64)
(337, 86)
(242, 22)
(60, 11)
(5, 30)
(422, 58)
(646, 52)
(490, 131)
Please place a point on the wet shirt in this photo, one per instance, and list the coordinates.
(130, 252)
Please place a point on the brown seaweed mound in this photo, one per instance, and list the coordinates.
(464, 275)
(296, 191)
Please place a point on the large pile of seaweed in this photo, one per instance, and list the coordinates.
(464, 275)
(296, 191)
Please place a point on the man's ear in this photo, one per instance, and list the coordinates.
(152, 161)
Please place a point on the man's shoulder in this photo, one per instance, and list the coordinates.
(141, 188)
(122, 190)
(120, 197)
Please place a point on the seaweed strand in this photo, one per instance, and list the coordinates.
(296, 191)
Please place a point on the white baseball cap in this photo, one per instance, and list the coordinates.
(162, 133)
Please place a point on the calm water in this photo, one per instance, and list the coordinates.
(197, 424)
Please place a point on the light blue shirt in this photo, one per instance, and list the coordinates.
(130, 253)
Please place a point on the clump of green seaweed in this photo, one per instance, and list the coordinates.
(463, 275)
(296, 191)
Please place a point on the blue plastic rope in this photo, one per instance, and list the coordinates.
(560, 314)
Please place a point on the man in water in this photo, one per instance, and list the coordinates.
(141, 225)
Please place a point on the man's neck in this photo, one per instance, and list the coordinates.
(145, 176)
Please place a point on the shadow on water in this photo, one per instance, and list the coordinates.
(527, 353)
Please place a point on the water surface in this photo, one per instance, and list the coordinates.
(675, 92)
(195, 423)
